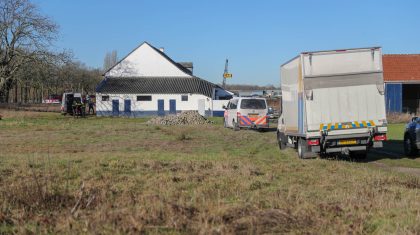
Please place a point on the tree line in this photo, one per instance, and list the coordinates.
(30, 69)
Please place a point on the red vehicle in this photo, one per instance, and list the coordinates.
(52, 99)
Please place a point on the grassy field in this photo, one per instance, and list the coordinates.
(117, 176)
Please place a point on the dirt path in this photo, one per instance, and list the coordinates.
(406, 170)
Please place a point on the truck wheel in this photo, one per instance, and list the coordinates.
(409, 148)
(302, 148)
(235, 126)
(281, 140)
(358, 155)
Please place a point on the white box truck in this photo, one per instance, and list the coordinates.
(333, 102)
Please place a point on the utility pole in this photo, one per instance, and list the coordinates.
(226, 74)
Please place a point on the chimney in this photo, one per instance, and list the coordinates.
(162, 49)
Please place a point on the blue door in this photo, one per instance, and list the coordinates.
(172, 106)
(127, 107)
(393, 97)
(115, 108)
(161, 108)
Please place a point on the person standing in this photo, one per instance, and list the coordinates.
(91, 104)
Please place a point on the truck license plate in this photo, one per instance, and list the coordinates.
(347, 142)
(253, 115)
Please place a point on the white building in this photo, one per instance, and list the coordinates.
(147, 82)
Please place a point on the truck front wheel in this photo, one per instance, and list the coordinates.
(281, 140)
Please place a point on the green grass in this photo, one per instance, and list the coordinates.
(395, 147)
(186, 180)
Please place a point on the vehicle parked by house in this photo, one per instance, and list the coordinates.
(333, 102)
(68, 102)
(412, 137)
(246, 112)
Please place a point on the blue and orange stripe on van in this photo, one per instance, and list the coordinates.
(247, 121)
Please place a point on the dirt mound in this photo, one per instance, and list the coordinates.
(184, 118)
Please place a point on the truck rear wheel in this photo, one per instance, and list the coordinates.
(281, 140)
(302, 148)
(358, 155)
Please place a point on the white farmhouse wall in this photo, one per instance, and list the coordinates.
(145, 61)
(151, 106)
(218, 104)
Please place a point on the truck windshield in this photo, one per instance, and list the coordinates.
(253, 104)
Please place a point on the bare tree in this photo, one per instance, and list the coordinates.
(25, 36)
(110, 59)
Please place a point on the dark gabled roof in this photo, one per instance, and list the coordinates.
(156, 85)
(186, 64)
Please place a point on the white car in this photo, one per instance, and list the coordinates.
(246, 112)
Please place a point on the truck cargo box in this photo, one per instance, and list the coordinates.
(338, 92)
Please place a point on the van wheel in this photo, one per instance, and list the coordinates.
(409, 148)
(235, 126)
(281, 140)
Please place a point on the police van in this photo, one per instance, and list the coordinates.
(246, 112)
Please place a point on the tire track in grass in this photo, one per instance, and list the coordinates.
(406, 170)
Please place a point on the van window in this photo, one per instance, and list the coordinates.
(233, 104)
(253, 104)
(105, 98)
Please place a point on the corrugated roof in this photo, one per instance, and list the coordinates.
(401, 67)
(156, 85)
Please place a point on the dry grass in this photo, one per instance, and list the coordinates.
(118, 176)
(400, 117)
(31, 107)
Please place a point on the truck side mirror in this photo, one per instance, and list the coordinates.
(270, 110)
(224, 107)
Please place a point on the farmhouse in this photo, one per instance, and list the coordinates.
(402, 82)
(147, 82)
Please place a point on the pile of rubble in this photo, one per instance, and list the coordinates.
(184, 118)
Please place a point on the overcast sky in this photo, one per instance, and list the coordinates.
(256, 36)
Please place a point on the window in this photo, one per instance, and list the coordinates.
(105, 98)
(184, 97)
(144, 98)
(253, 104)
(233, 104)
